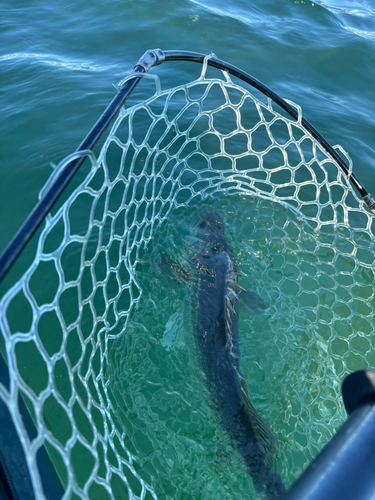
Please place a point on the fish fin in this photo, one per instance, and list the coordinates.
(172, 268)
(252, 301)
(173, 336)
(266, 439)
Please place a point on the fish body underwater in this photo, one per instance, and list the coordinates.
(215, 323)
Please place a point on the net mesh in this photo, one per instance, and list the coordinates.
(81, 326)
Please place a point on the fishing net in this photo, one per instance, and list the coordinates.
(92, 332)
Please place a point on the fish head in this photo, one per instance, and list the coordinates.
(210, 223)
(211, 231)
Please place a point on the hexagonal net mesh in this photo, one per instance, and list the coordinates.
(92, 330)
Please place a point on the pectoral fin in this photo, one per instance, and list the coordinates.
(173, 269)
(252, 301)
(173, 336)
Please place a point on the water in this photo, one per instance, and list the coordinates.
(58, 64)
(287, 355)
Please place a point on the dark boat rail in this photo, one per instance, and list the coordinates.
(344, 469)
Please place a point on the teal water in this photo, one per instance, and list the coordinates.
(58, 65)
(290, 354)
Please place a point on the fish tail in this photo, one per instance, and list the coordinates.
(274, 488)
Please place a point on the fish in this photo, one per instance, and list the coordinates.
(213, 274)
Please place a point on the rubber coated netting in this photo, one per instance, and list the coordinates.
(96, 336)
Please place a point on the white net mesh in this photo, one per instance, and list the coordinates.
(93, 332)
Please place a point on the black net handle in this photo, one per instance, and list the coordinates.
(45, 204)
(181, 55)
(150, 58)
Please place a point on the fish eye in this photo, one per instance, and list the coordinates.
(202, 225)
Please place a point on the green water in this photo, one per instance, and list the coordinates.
(289, 354)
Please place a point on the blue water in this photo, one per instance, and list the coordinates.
(58, 63)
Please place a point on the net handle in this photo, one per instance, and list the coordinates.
(56, 188)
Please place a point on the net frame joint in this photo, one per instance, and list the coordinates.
(369, 202)
(150, 58)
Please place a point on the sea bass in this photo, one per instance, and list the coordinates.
(213, 274)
